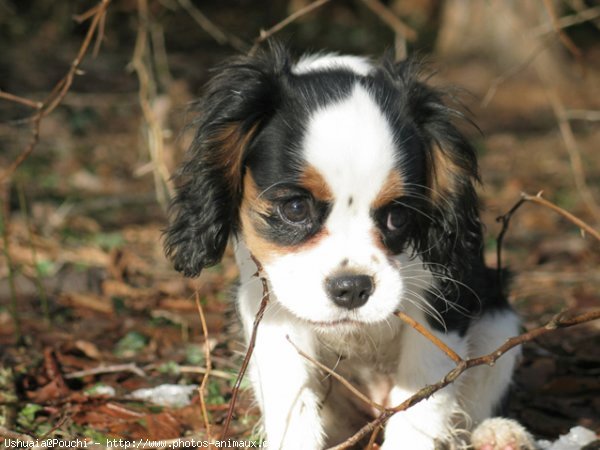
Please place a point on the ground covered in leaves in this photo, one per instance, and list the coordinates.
(101, 314)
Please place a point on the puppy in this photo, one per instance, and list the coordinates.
(350, 184)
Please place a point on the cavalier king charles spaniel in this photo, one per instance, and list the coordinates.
(350, 184)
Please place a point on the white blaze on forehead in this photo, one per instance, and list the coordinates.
(311, 63)
(351, 144)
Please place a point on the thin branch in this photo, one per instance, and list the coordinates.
(511, 72)
(568, 21)
(213, 30)
(570, 142)
(202, 387)
(116, 368)
(425, 332)
(266, 34)
(538, 199)
(60, 90)
(338, 377)
(146, 93)
(23, 101)
(259, 315)
(566, 40)
(583, 114)
(390, 19)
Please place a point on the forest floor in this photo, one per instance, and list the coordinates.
(94, 290)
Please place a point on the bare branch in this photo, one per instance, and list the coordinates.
(202, 387)
(582, 16)
(251, 344)
(425, 332)
(338, 377)
(266, 34)
(207, 25)
(131, 367)
(60, 90)
(391, 19)
(566, 40)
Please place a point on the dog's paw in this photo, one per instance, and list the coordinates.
(501, 434)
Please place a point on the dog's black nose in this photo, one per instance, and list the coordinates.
(349, 291)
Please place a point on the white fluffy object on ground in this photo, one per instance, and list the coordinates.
(576, 438)
(500, 433)
(170, 395)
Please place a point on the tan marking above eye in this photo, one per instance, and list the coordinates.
(314, 182)
(252, 211)
(392, 188)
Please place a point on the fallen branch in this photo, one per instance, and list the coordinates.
(131, 367)
(259, 315)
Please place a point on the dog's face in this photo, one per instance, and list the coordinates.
(341, 178)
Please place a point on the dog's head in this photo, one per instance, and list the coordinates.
(337, 175)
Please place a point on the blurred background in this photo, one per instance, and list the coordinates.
(94, 99)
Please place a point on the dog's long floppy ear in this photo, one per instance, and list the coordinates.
(239, 99)
(454, 242)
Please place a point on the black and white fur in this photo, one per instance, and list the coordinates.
(352, 186)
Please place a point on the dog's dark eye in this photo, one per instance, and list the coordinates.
(295, 210)
(397, 218)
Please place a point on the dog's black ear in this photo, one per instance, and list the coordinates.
(453, 244)
(239, 99)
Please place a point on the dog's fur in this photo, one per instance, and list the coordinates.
(349, 182)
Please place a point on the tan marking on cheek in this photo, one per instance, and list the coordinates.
(393, 187)
(252, 210)
(312, 180)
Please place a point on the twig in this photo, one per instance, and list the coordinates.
(213, 30)
(538, 199)
(4, 224)
(338, 377)
(23, 101)
(583, 114)
(425, 332)
(511, 72)
(568, 21)
(155, 135)
(259, 315)
(559, 321)
(566, 40)
(59, 91)
(202, 370)
(131, 367)
(570, 142)
(391, 19)
(266, 34)
(38, 273)
(202, 387)
(567, 215)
